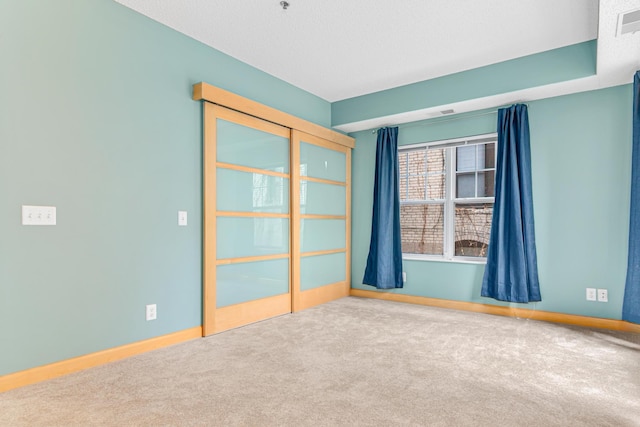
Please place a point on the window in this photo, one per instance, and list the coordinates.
(446, 197)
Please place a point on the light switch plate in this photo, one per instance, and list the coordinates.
(38, 215)
(182, 218)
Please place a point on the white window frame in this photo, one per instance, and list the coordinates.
(450, 201)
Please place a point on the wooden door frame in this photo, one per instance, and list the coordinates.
(213, 96)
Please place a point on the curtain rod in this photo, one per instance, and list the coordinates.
(444, 119)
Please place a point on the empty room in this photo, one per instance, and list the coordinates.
(305, 212)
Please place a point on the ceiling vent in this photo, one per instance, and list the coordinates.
(628, 22)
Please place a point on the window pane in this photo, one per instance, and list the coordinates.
(435, 160)
(487, 156)
(472, 229)
(402, 163)
(466, 185)
(486, 182)
(466, 158)
(422, 229)
(435, 187)
(403, 188)
(417, 187)
(416, 162)
(428, 174)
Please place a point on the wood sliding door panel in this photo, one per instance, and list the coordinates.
(320, 228)
(247, 253)
(276, 211)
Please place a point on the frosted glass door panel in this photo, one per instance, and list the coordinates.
(237, 283)
(322, 199)
(322, 234)
(245, 146)
(242, 237)
(316, 271)
(251, 192)
(319, 162)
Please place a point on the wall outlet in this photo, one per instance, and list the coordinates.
(591, 294)
(603, 295)
(152, 312)
(404, 276)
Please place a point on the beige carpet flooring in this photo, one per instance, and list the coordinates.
(357, 362)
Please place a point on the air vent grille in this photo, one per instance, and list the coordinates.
(629, 22)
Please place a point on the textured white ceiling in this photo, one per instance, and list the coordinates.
(341, 49)
(618, 56)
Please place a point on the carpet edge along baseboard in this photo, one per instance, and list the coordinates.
(63, 367)
(57, 369)
(546, 316)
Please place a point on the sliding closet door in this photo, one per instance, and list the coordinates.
(247, 228)
(321, 202)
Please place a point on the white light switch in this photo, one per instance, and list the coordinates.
(38, 215)
(182, 218)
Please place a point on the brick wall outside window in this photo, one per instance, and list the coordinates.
(422, 225)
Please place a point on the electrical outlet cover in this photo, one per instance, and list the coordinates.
(603, 295)
(591, 294)
(151, 312)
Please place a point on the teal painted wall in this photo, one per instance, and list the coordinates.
(581, 151)
(558, 65)
(96, 118)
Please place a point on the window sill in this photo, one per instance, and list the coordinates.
(459, 260)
